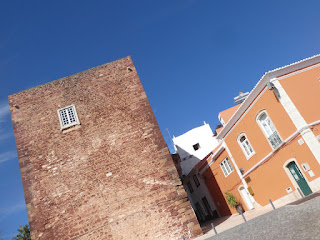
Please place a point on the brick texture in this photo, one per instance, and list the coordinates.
(112, 177)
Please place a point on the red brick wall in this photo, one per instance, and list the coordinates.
(67, 191)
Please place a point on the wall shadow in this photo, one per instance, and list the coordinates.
(211, 183)
(216, 194)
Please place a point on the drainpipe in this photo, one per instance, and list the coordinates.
(237, 170)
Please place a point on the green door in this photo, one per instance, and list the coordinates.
(297, 175)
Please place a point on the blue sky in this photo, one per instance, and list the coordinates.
(192, 56)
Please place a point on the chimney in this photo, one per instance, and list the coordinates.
(242, 96)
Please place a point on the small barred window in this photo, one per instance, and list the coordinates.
(68, 117)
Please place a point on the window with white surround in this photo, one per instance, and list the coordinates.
(245, 145)
(269, 130)
(68, 117)
(226, 167)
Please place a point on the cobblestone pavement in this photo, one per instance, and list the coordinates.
(300, 221)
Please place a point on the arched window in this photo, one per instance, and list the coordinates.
(245, 145)
(269, 130)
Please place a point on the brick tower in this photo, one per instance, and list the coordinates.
(94, 164)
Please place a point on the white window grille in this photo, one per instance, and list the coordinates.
(68, 117)
(226, 167)
(245, 145)
(269, 130)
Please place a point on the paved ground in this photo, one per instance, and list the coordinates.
(225, 223)
(299, 220)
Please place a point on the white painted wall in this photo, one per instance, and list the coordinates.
(184, 146)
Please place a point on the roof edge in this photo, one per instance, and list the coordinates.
(262, 83)
(72, 75)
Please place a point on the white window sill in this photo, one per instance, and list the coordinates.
(248, 157)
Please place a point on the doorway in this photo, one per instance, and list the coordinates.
(299, 178)
(245, 196)
(211, 214)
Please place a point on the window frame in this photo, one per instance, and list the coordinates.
(190, 187)
(243, 148)
(223, 168)
(200, 210)
(264, 131)
(196, 146)
(196, 180)
(76, 122)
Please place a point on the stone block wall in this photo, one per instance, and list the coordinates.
(112, 177)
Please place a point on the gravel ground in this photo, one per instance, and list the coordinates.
(289, 222)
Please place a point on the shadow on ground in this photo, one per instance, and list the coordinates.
(206, 226)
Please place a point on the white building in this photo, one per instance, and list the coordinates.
(194, 145)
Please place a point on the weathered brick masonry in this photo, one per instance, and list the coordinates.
(68, 191)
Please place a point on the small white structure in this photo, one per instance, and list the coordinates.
(194, 145)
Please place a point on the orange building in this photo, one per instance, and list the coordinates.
(270, 146)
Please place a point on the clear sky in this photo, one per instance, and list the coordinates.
(192, 56)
